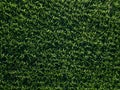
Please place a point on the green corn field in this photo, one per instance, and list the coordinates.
(60, 44)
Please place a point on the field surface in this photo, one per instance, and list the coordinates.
(60, 44)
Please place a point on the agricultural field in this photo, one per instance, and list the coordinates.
(60, 44)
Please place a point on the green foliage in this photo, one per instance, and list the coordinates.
(60, 45)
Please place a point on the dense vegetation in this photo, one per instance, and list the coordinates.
(60, 44)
